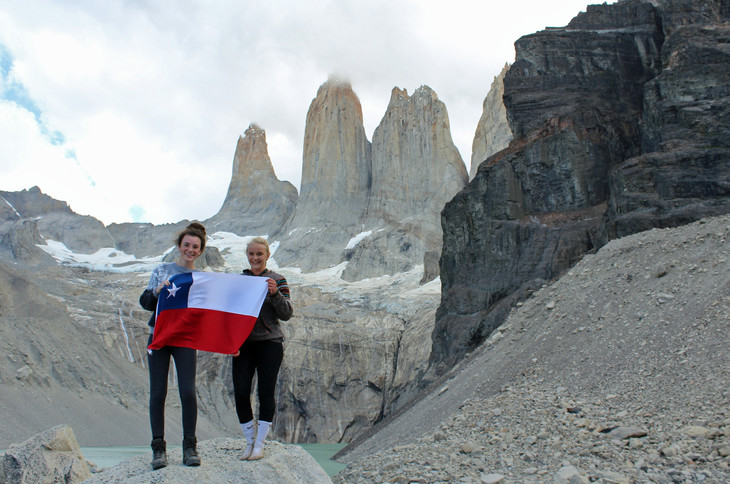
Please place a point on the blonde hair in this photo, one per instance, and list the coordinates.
(259, 240)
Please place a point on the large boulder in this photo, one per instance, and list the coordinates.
(50, 456)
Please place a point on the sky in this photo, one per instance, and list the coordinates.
(130, 110)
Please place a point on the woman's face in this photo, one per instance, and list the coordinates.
(257, 257)
(189, 249)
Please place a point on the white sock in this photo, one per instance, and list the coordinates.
(262, 432)
(258, 448)
(249, 430)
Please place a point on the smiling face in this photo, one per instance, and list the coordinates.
(190, 249)
(257, 255)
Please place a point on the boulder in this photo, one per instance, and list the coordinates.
(50, 456)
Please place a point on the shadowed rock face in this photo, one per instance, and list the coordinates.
(620, 124)
(257, 202)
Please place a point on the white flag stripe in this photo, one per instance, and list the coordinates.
(232, 293)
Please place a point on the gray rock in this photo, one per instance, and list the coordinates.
(621, 433)
(56, 221)
(335, 181)
(416, 169)
(392, 190)
(569, 475)
(19, 242)
(528, 378)
(144, 239)
(51, 456)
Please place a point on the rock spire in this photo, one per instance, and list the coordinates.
(335, 180)
(257, 202)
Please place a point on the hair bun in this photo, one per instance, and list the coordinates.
(197, 226)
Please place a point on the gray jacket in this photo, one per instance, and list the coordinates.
(276, 308)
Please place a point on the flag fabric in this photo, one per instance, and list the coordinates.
(208, 311)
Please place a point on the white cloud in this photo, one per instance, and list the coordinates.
(152, 96)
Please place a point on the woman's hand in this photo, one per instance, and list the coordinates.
(159, 288)
(237, 353)
(272, 286)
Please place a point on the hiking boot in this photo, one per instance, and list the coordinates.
(159, 453)
(190, 453)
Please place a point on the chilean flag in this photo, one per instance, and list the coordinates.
(208, 311)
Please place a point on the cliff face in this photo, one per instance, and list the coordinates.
(620, 125)
(416, 169)
(29, 214)
(335, 181)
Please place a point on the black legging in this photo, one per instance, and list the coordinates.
(263, 358)
(185, 364)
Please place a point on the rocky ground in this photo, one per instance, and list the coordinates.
(617, 372)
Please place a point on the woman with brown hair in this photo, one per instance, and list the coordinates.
(191, 244)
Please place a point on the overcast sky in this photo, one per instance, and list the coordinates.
(130, 110)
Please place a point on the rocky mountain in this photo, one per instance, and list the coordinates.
(493, 133)
(53, 219)
(345, 350)
(620, 125)
(257, 202)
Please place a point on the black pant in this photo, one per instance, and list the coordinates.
(185, 364)
(264, 359)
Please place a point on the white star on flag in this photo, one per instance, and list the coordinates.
(172, 290)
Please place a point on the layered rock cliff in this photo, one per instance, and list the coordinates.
(620, 125)
(493, 133)
(257, 202)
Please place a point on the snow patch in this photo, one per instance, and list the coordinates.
(357, 239)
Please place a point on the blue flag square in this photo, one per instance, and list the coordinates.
(175, 296)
